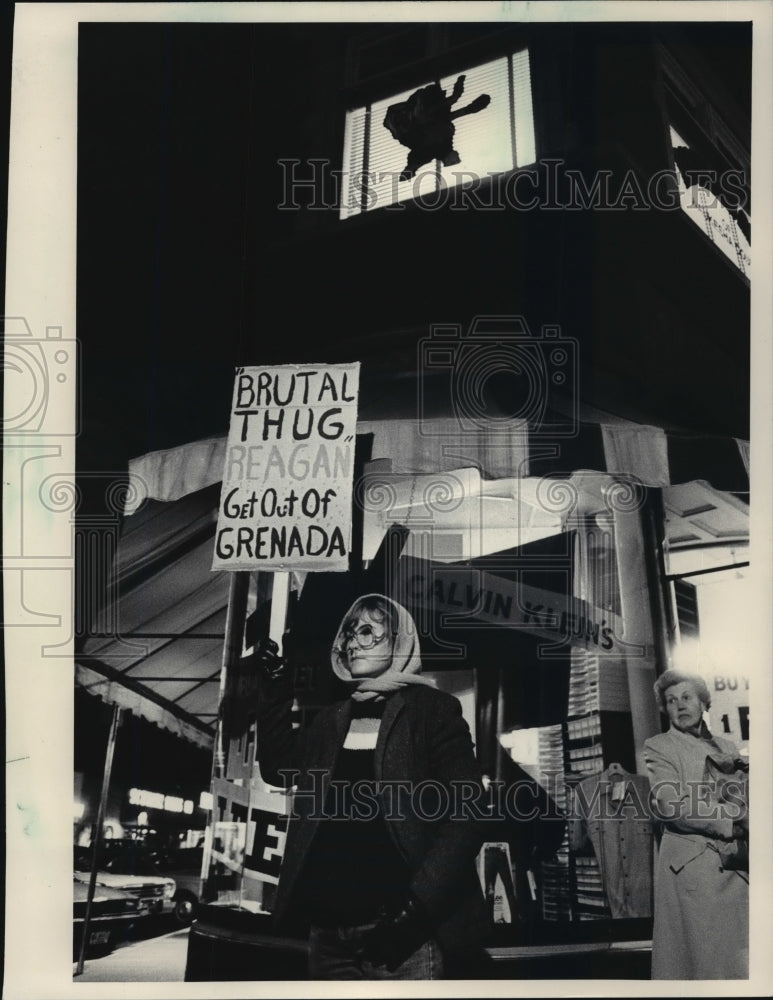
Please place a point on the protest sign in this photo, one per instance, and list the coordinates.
(286, 500)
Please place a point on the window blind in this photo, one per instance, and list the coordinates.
(495, 140)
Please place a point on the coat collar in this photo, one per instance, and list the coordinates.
(698, 744)
(341, 720)
(338, 726)
(704, 737)
(393, 707)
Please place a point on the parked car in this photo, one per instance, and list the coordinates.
(183, 864)
(131, 871)
(113, 914)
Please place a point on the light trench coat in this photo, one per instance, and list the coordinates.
(701, 924)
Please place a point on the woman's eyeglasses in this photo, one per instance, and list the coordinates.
(364, 636)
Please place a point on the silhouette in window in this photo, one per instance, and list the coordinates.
(425, 124)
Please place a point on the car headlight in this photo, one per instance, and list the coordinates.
(169, 890)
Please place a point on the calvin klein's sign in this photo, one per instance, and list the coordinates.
(462, 594)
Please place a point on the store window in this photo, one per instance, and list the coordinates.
(577, 753)
(711, 592)
(495, 139)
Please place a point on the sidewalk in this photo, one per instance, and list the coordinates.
(156, 960)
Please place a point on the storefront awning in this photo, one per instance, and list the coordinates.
(163, 660)
(172, 607)
(118, 692)
(649, 454)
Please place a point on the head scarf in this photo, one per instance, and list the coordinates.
(406, 657)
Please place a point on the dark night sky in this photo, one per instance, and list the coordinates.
(180, 129)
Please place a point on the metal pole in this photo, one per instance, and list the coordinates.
(499, 725)
(238, 589)
(664, 624)
(279, 600)
(96, 833)
(703, 572)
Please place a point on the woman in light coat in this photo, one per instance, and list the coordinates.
(701, 923)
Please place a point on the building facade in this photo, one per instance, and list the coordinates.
(549, 302)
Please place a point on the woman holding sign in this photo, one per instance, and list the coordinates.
(380, 855)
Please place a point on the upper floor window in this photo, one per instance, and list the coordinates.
(487, 137)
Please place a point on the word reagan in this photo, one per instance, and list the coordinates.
(259, 462)
(278, 543)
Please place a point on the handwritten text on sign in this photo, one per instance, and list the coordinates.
(287, 484)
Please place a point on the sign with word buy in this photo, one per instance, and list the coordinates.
(286, 500)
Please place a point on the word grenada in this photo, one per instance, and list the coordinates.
(277, 543)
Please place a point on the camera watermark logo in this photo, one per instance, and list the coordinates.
(55, 552)
(39, 372)
(498, 377)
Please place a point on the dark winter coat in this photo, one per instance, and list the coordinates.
(422, 736)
